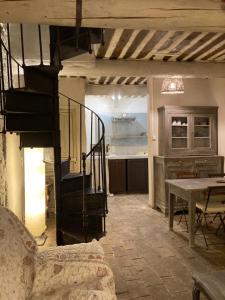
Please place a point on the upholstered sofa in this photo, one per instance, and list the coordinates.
(58, 273)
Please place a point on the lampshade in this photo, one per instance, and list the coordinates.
(173, 85)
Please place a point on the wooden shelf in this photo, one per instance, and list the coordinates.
(179, 137)
(179, 125)
(128, 137)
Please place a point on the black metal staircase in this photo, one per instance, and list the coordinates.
(30, 108)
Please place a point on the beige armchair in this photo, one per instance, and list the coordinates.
(59, 273)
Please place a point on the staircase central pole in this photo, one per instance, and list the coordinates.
(57, 164)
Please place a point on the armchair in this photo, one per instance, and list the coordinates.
(58, 273)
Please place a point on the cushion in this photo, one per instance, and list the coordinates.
(17, 250)
(81, 266)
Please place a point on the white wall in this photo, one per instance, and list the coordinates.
(107, 108)
(217, 94)
(75, 89)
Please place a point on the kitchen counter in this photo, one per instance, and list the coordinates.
(126, 156)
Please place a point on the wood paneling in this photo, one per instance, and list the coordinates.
(137, 175)
(117, 176)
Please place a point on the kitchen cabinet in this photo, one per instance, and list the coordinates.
(137, 176)
(187, 130)
(117, 176)
(128, 175)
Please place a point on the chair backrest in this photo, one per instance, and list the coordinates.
(211, 175)
(17, 252)
(186, 175)
(215, 193)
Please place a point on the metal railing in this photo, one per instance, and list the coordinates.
(90, 135)
(90, 138)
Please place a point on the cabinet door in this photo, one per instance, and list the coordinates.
(117, 176)
(179, 133)
(206, 166)
(204, 135)
(137, 175)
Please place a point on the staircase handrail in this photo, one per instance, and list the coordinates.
(98, 118)
(4, 46)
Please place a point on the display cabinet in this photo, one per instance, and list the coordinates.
(185, 130)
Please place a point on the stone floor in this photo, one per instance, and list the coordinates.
(148, 261)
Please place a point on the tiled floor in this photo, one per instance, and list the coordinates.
(148, 261)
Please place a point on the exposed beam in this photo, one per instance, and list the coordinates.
(191, 15)
(189, 45)
(218, 45)
(143, 43)
(159, 44)
(113, 43)
(129, 43)
(202, 46)
(141, 68)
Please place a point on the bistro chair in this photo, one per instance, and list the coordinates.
(214, 175)
(212, 204)
(185, 175)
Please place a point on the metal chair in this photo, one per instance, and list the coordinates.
(185, 175)
(213, 203)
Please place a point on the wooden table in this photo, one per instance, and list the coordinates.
(190, 190)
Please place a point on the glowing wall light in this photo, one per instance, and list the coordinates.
(34, 169)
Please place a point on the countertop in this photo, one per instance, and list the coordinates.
(126, 156)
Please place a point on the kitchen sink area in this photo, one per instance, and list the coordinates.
(125, 119)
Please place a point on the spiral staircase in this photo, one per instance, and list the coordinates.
(29, 106)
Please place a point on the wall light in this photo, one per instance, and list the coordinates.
(173, 85)
(34, 169)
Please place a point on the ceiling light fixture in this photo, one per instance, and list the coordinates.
(172, 85)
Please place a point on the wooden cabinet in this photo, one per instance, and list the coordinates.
(169, 167)
(137, 176)
(117, 176)
(186, 130)
(128, 175)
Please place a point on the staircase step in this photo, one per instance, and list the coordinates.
(29, 122)
(41, 78)
(71, 236)
(72, 203)
(73, 182)
(37, 139)
(67, 40)
(28, 101)
(73, 232)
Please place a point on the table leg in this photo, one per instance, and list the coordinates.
(191, 221)
(171, 210)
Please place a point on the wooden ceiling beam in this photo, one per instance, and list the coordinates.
(113, 43)
(191, 15)
(189, 45)
(202, 46)
(141, 68)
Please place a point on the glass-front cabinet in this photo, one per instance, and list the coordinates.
(179, 132)
(187, 130)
